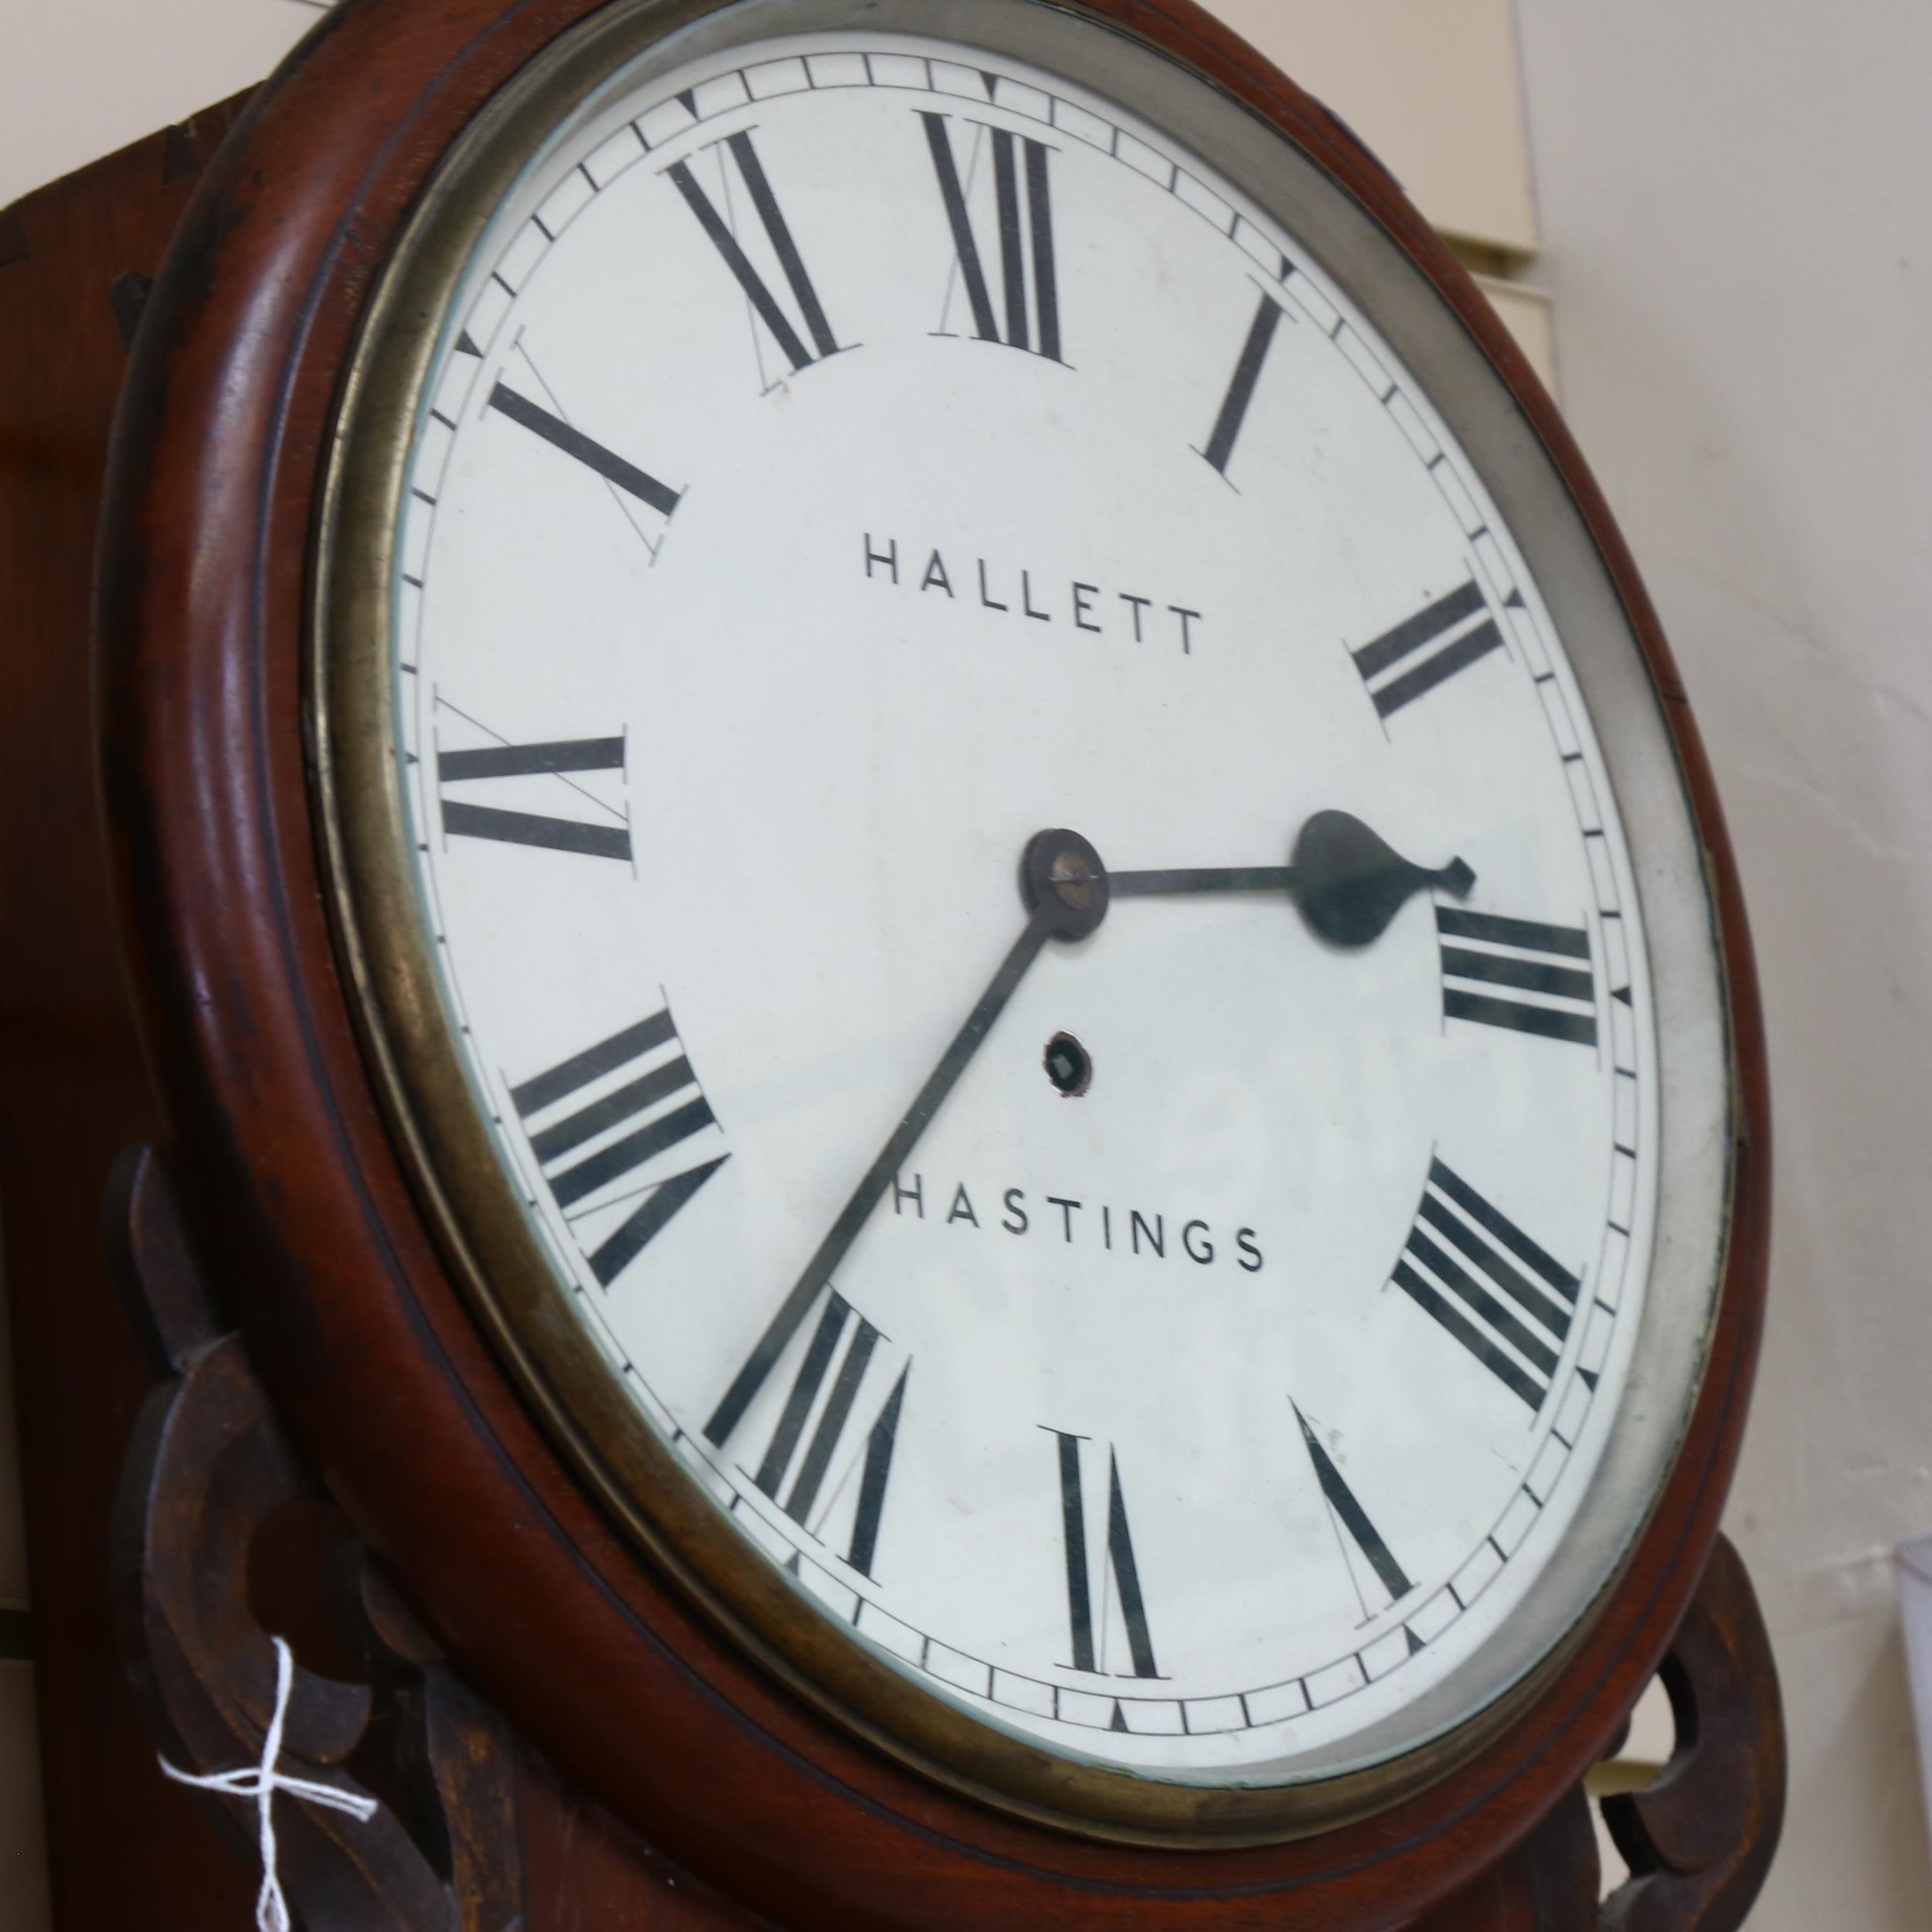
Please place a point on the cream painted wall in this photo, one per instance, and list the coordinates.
(1735, 201)
(80, 78)
(1431, 85)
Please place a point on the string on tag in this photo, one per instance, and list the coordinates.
(261, 1782)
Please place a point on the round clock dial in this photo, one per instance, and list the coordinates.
(996, 829)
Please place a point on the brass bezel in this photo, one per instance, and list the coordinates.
(473, 1211)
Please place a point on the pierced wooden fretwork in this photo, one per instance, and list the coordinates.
(218, 1521)
(224, 1535)
(1699, 1839)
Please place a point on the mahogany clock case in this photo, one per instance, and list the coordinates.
(482, 1222)
(322, 1243)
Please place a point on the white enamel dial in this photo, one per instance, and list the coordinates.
(848, 458)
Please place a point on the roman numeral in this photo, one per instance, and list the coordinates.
(1030, 317)
(556, 759)
(1082, 1584)
(1470, 1267)
(659, 1104)
(1351, 1517)
(592, 455)
(1248, 372)
(1542, 990)
(795, 1466)
(770, 311)
(1428, 649)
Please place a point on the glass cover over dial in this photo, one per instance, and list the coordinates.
(1023, 882)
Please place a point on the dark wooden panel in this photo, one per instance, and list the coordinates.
(72, 1091)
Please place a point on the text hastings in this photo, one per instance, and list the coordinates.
(1121, 1231)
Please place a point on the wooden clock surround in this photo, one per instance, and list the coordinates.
(308, 1240)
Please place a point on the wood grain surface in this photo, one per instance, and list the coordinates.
(74, 1091)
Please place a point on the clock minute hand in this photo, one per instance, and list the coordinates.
(1065, 886)
(1349, 882)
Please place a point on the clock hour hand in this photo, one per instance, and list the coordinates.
(1065, 887)
(1348, 880)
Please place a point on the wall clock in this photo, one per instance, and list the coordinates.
(937, 945)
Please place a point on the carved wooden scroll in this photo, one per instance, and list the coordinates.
(1699, 1840)
(223, 1536)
